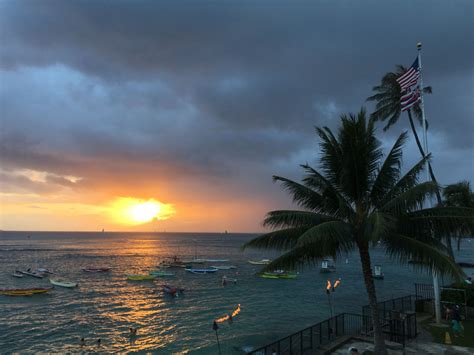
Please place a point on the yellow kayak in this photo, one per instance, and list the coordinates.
(140, 277)
(24, 291)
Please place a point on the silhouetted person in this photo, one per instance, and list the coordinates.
(83, 342)
(98, 342)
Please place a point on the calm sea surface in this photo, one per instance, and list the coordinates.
(106, 305)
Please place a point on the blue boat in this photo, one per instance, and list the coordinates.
(209, 270)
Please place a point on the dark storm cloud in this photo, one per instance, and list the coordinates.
(218, 87)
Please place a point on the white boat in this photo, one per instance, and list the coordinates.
(44, 271)
(224, 267)
(17, 274)
(378, 274)
(62, 283)
(216, 260)
(326, 267)
(260, 262)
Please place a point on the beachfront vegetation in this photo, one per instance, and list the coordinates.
(357, 199)
(459, 195)
(439, 333)
(387, 97)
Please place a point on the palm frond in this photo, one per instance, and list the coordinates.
(333, 199)
(390, 171)
(290, 218)
(280, 240)
(303, 195)
(335, 233)
(309, 254)
(410, 200)
(405, 183)
(379, 225)
(431, 254)
(441, 220)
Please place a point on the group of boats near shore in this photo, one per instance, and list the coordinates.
(193, 266)
(164, 270)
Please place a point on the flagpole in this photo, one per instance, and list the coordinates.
(425, 148)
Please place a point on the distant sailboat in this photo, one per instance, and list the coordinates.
(102, 230)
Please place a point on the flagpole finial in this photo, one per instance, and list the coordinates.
(418, 45)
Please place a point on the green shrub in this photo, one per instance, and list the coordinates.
(458, 296)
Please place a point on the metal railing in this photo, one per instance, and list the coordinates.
(389, 309)
(307, 340)
(424, 291)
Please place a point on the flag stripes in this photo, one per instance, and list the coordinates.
(406, 81)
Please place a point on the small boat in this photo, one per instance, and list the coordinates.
(224, 267)
(378, 274)
(326, 267)
(216, 260)
(96, 269)
(194, 261)
(202, 271)
(226, 280)
(260, 262)
(63, 283)
(160, 273)
(172, 290)
(44, 271)
(24, 291)
(279, 274)
(141, 277)
(18, 274)
(38, 275)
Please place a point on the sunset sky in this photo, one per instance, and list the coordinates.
(186, 109)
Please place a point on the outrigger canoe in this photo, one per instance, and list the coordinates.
(96, 269)
(202, 271)
(260, 262)
(38, 275)
(224, 267)
(160, 273)
(277, 275)
(62, 283)
(24, 291)
(140, 277)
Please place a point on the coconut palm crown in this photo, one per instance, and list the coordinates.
(387, 97)
(357, 199)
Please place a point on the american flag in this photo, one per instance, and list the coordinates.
(406, 81)
(410, 99)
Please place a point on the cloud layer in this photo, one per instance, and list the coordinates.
(199, 103)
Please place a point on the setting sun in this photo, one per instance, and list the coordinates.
(129, 210)
(145, 212)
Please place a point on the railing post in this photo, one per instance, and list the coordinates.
(291, 345)
(301, 342)
(320, 334)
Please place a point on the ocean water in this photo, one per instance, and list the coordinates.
(105, 305)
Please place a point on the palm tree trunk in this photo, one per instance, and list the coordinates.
(379, 342)
(433, 178)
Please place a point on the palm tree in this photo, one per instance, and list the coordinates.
(387, 97)
(356, 200)
(459, 195)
